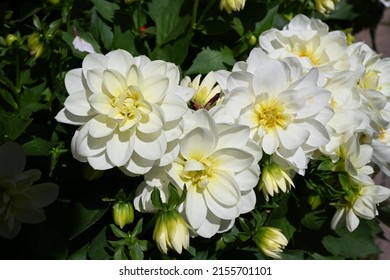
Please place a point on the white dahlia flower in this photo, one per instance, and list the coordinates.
(20, 200)
(218, 164)
(285, 111)
(361, 204)
(129, 110)
(310, 41)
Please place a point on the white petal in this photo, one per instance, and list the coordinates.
(113, 83)
(94, 61)
(210, 226)
(195, 207)
(101, 126)
(120, 147)
(270, 142)
(77, 103)
(137, 165)
(152, 122)
(293, 137)
(94, 79)
(352, 220)
(100, 161)
(198, 144)
(270, 77)
(248, 178)
(73, 81)
(174, 107)
(154, 88)
(43, 194)
(67, 117)
(101, 103)
(120, 60)
(247, 202)
(224, 189)
(338, 218)
(29, 215)
(233, 137)
(231, 159)
(150, 149)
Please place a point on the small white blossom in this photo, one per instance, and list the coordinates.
(20, 200)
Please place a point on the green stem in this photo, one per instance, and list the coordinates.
(194, 13)
(205, 11)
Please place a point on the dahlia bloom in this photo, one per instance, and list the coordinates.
(310, 41)
(218, 164)
(20, 201)
(361, 204)
(129, 110)
(285, 110)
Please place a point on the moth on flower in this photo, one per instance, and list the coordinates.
(207, 93)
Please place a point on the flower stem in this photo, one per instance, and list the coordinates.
(194, 13)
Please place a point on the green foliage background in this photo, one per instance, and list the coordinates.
(198, 37)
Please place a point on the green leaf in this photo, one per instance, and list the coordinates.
(314, 220)
(117, 232)
(292, 255)
(83, 217)
(156, 199)
(169, 24)
(175, 51)
(38, 147)
(211, 60)
(238, 26)
(106, 9)
(138, 228)
(102, 30)
(267, 22)
(7, 97)
(12, 125)
(120, 254)
(136, 252)
(80, 254)
(98, 249)
(278, 218)
(124, 40)
(357, 244)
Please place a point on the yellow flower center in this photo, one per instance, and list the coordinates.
(307, 50)
(198, 174)
(270, 115)
(129, 108)
(370, 80)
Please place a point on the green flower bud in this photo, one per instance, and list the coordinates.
(10, 39)
(270, 241)
(171, 232)
(314, 201)
(35, 45)
(123, 213)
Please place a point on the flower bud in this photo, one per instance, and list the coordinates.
(171, 232)
(231, 5)
(10, 39)
(325, 6)
(314, 201)
(123, 213)
(270, 241)
(35, 45)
